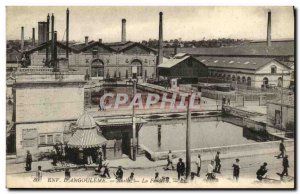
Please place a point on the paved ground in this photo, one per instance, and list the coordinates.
(144, 171)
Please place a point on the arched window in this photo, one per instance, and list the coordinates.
(279, 84)
(249, 81)
(265, 81)
(238, 79)
(97, 68)
(244, 79)
(233, 78)
(137, 63)
(273, 69)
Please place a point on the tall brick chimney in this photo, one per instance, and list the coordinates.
(67, 33)
(33, 37)
(269, 29)
(86, 40)
(160, 42)
(22, 39)
(47, 39)
(123, 38)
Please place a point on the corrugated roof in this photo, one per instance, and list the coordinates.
(172, 62)
(277, 48)
(235, 62)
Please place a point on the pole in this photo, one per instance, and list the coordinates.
(188, 140)
(67, 34)
(281, 123)
(133, 125)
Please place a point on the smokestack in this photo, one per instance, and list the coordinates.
(33, 37)
(52, 41)
(123, 38)
(42, 32)
(55, 62)
(86, 38)
(47, 38)
(269, 29)
(22, 39)
(160, 43)
(100, 41)
(67, 34)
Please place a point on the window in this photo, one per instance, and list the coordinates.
(50, 139)
(273, 69)
(42, 139)
(57, 138)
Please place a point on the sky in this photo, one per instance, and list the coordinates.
(188, 23)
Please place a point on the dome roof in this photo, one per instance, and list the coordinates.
(86, 121)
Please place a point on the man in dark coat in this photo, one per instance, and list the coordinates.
(180, 168)
(28, 161)
(285, 164)
(281, 149)
(261, 171)
(236, 169)
(218, 163)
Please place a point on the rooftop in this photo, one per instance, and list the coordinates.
(235, 62)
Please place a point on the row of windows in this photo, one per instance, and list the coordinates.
(50, 138)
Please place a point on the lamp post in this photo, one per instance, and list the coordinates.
(134, 150)
(188, 140)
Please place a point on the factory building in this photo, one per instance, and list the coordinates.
(97, 60)
(183, 66)
(251, 72)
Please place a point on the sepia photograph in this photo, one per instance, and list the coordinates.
(150, 97)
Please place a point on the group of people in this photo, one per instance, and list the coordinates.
(225, 101)
(59, 154)
(215, 166)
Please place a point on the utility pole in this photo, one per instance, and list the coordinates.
(134, 150)
(281, 123)
(188, 140)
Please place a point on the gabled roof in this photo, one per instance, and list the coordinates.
(249, 63)
(47, 44)
(133, 44)
(92, 44)
(173, 61)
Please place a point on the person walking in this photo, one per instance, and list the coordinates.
(28, 161)
(236, 169)
(285, 164)
(39, 174)
(210, 171)
(228, 101)
(169, 160)
(106, 169)
(262, 171)
(281, 149)
(218, 163)
(198, 163)
(180, 168)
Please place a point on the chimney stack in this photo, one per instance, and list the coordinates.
(67, 34)
(86, 38)
(52, 42)
(160, 42)
(22, 39)
(33, 37)
(269, 29)
(47, 39)
(55, 62)
(123, 38)
(100, 41)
